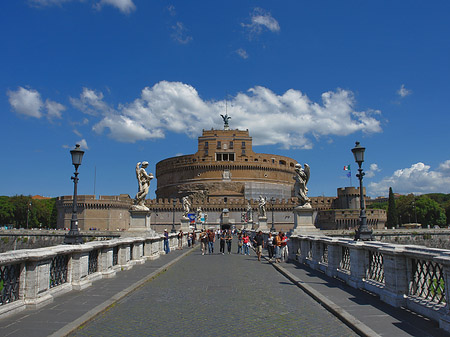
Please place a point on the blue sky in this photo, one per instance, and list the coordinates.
(135, 80)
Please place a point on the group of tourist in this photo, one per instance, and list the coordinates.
(192, 237)
(276, 245)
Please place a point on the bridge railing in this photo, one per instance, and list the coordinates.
(31, 278)
(414, 277)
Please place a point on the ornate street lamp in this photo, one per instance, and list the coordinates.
(272, 201)
(174, 202)
(74, 236)
(363, 233)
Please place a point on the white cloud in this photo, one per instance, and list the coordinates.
(43, 3)
(403, 92)
(125, 6)
(171, 10)
(444, 167)
(54, 109)
(417, 179)
(27, 102)
(83, 144)
(90, 102)
(179, 33)
(373, 169)
(242, 53)
(290, 120)
(261, 20)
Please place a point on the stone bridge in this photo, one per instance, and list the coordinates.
(128, 286)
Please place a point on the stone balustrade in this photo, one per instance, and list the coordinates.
(413, 277)
(31, 278)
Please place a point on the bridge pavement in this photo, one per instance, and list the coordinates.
(217, 295)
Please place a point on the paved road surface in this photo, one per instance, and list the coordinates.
(217, 295)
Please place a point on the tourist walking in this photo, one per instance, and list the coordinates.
(277, 243)
(240, 244)
(166, 242)
(229, 239)
(259, 241)
(211, 240)
(270, 246)
(189, 239)
(222, 242)
(246, 243)
(194, 238)
(180, 239)
(284, 247)
(204, 241)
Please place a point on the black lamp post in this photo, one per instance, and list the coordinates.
(363, 233)
(174, 202)
(74, 236)
(414, 209)
(28, 211)
(272, 201)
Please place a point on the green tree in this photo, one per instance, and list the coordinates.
(392, 219)
(6, 211)
(21, 204)
(447, 211)
(427, 211)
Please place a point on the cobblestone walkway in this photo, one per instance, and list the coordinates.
(217, 295)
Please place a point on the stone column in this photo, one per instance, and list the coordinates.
(444, 322)
(106, 262)
(395, 276)
(357, 265)
(37, 282)
(304, 249)
(334, 258)
(80, 265)
(315, 254)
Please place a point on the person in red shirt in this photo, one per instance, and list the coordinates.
(246, 242)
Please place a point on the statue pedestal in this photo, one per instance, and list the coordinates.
(304, 221)
(184, 222)
(199, 225)
(140, 222)
(263, 224)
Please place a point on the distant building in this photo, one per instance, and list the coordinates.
(223, 175)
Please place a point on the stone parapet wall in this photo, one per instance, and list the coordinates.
(32, 278)
(413, 277)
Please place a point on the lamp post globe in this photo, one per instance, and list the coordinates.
(74, 236)
(363, 232)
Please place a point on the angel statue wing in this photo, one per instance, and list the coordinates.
(307, 172)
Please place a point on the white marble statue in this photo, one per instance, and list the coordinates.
(249, 212)
(262, 206)
(143, 179)
(186, 206)
(301, 179)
